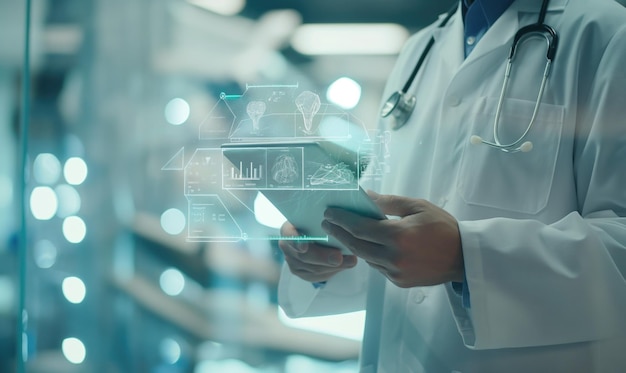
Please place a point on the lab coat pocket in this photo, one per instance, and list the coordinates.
(518, 182)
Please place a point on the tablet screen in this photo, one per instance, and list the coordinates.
(301, 179)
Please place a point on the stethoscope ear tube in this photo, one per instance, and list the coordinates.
(536, 29)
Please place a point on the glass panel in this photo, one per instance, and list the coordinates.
(12, 26)
(140, 257)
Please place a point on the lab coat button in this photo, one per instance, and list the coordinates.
(454, 101)
(419, 296)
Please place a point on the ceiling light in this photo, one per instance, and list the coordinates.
(223, 7)
(344, 92)
(343, 38)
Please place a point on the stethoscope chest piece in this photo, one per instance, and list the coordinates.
(398, 108)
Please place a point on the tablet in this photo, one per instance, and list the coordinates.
(301, 179)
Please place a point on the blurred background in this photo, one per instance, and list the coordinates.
(115, 93)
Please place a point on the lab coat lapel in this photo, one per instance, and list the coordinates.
(450, 38)
(498, 36)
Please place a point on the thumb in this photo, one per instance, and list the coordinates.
(395, 205)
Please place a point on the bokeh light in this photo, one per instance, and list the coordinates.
(69, 200)
(45, 254)
(177, 111)
(43, 203)
(74, 289)
(46, 169)
(75, 171)
(173, 221)
(170, 350)
(172, 282)
(74, 350)
(74, 229)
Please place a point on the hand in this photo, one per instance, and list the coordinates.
(421, 248)
(310, 261)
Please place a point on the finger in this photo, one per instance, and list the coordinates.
(373, 195)
(346, 261)
(381, 269)
(370, 251)
(293, 247)
(315, 254)
(288, 230)
(314, 273)
(361, 227)
(314, 276)
(397, 205)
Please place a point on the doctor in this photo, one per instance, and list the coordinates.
(498, 261)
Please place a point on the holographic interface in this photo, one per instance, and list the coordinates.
(222, 185)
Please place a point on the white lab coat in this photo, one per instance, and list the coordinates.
(543, 233)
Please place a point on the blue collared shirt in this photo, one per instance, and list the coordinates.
(478, 16)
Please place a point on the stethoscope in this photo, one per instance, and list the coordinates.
(401, 104)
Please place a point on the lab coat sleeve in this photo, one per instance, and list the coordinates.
(344, 292)
(534, 284)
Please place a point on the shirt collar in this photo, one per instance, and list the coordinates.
(484, 12)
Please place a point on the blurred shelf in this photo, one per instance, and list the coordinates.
(148, 226)
(231, 318)
(229, 259)
(199, 259)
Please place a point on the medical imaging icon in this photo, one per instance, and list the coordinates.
(332, 175)
(278, 113)
(331, 171)
(255, 110)
(285, 169)
(308, 104)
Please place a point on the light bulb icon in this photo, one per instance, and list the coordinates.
(308, 104)
(255, 110)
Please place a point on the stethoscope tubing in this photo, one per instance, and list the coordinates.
(401, 104)
(507, 77)
(424, 54)
(551, 38)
